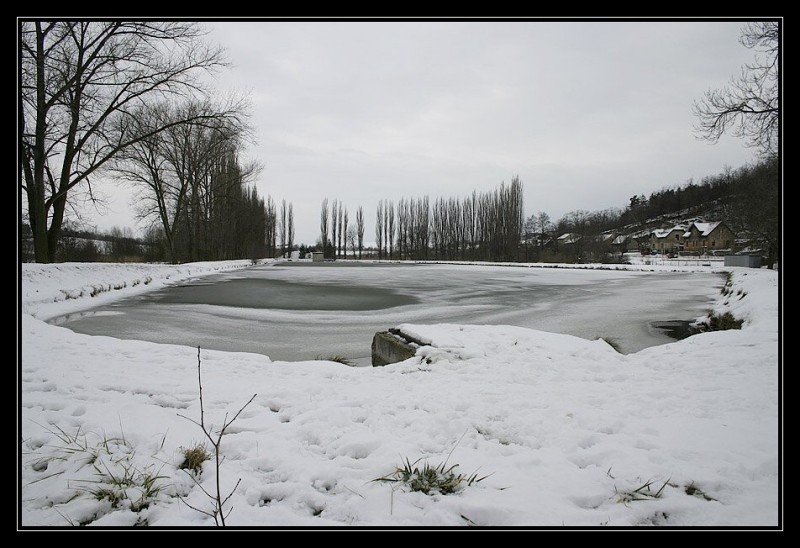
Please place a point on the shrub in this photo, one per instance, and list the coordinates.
(722, 322)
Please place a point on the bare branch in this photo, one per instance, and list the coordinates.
(749, 106)
(78, 80)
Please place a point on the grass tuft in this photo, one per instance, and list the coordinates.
(123, 484)
(194, 457)
(643, 492)
(116, 476)
(695, 491)
(430, 479)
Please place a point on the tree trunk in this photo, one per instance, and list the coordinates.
(54, 232)
(37, 210)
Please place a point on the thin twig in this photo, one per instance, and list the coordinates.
(200, 384)
(218, 514)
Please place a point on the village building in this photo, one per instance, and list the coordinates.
(707, 237)
(568, 238)
(668, 240)
(621, 243)
(695, 238)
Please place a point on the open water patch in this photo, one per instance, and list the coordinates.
(285, 295)
(676, 329)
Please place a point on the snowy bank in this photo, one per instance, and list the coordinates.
(565, 432)
(49, 290)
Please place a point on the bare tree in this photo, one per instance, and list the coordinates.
(360, 229)
(290, 229)
(467, 221)
(754, 210)
(424, 225)
(389, 226)
(454, 227)
(188, 173)
(284, 225)
(577, 224)
(144, 164)
(543, 227)
(750, 104)
(350, 239)
(345, 223)
(323, 225)
(438, 227)
(402, 228)
(379, 228)
(470, 221)
(340, 236)
(271, 225)
(513, 217)
(334, 226)
(80, 85)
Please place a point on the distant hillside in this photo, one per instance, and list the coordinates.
(706, 198)
(709, 211)
(747, 200)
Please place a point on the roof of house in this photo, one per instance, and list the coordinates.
(706, 228)
(569, 238)
(619, 240)
(663, 233)
(605, 236)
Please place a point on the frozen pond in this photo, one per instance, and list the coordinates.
(300, 310)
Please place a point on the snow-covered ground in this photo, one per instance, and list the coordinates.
(565, 432)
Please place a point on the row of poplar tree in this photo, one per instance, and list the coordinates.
(191, 182)
(484, 226)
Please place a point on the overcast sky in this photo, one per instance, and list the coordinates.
(586, 113)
